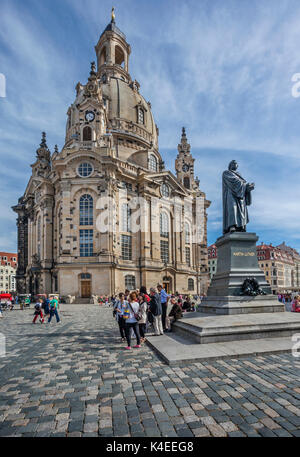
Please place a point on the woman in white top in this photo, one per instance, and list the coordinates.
(131, 321)
(143, 320)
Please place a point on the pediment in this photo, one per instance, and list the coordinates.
(168, 178)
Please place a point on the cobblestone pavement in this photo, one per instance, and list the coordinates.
(76, 379)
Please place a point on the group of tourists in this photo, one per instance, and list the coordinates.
(296, 304)
(135, 311)
(103, 300)
(291, 301)
(44, 308)
(50, 308)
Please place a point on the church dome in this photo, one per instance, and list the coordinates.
(128, 111)
(129, 115)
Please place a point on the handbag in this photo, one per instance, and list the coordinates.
(138, 315)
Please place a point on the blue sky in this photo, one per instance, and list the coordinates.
(220, 68)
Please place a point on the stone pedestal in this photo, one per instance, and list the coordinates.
(237, 261)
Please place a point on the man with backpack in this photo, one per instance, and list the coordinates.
(53, 310)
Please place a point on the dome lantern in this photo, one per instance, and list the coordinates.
(113, 51)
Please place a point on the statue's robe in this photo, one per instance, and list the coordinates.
(236, 198)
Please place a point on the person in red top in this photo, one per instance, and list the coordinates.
(143, 291)
(38, 311)
(296, 304)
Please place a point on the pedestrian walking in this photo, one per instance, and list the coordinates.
(155, 308)
(53, 310)
(38, 311)
(46, 306)
(131, 315)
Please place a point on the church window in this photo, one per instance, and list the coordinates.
(39, 229)
(87, 134)
(85, 169)
(86, 243)
(86, 210)
(103, 58)
(186, 182)
(191, 284)
(119, 56)
(188, 256)
(187, 233)
(165, 191)
(39, 237)
(152, 163)
(126, 247)
(126, 185)
(164, 251)
(130, 282)
(164, 225)
(141, 116)
(126, 218)
(85, 276)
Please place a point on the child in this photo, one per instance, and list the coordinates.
(38, 312)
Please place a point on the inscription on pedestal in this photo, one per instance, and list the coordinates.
(245, 254)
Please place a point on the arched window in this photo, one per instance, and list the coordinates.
(39, 229)
(86, 210)
(152, 163)
(186, 182)
(141, 116)
(119, 56)
(165, 191)
(126, 223)
(187, 233)
(103, 56)
(39, 236)
(87, 134)
(190, 284)
(164, 225)
(130, 282)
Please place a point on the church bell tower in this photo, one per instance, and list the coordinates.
(184, 164)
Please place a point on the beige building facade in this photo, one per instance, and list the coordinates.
(281, 266)
(103, 214)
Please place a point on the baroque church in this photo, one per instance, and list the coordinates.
(111, 159)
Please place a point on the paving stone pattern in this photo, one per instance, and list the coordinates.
(76, 379)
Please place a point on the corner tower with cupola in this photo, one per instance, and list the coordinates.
(109, 164)
(184, 164)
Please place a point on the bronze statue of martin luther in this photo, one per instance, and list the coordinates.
(236, 198)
